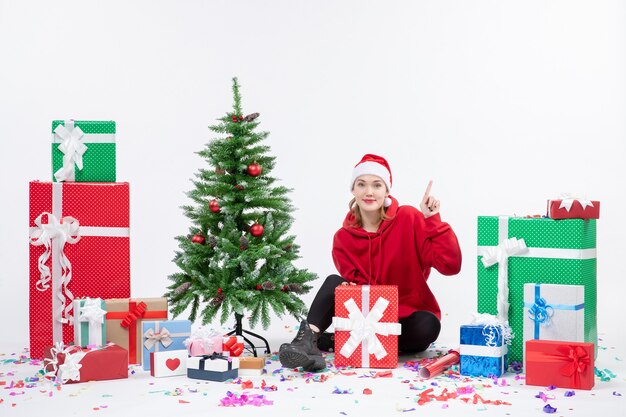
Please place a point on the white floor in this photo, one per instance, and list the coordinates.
(307, 394)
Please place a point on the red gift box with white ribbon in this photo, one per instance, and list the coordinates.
(79, 247)
(366, 326)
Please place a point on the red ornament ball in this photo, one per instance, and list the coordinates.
(259, 287)
(239, 187)
(198, 238)
(285, 288)
(256, 230)
(235, 119)
(214, 206)
(254, 170)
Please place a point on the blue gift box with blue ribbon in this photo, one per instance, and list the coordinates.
(554, 312)
(163, 335)
(483, 351)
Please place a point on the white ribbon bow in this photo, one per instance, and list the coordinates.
(73, 149)
(567, 200)
(92, 311)
(365, 328)
(153, 338)
(500, 254)
(70, 369)
(64, 231)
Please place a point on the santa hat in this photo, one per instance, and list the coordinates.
(372, 164)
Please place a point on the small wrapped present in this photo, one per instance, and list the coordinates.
(75, 364)
(251, 366)
(484, 347)
(89, 322)
(124, 318)
(561, 364)
(83, 151)
(168, 363)
(232, 345)
(213, 367)
(366, 326)
(568, 207)
(204, 342)
(79, 247)
(554, 312)
(163, 336)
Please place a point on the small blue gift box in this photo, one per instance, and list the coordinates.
(482, 351)
(215, 367)
(163, 335)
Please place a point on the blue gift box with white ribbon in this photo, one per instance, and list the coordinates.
(554, 312)
(482, 351)
(163, 335)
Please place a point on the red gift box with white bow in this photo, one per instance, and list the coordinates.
(79, 247)
(573, 208)
(366, 326)
(559, 363)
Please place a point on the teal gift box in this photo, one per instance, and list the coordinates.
(558, 252)
(90, 327)
(163, 335)
(83, 151)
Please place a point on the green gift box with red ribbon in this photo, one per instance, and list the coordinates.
(124, 320)
(513, 251)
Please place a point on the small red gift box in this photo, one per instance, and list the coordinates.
(232, 345)
(559, 363)
(75, 364)
(573, 208)
(79, 247)
(366, 326)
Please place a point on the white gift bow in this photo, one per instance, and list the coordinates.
(492, 327)
(500, 254)
(65, 231)
(73, 149)
(153, 338)
(93, 313)
(567, 200)
(70, 369)
(365, 328)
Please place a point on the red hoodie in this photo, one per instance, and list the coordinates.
(400, 253)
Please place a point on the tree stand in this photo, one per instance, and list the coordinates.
(239, 331)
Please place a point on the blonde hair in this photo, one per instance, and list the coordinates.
(356, 212)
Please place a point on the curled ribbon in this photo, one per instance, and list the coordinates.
(500, 255)
(132, 316)
(152, 338)
(65, 231)
(493, 328)
(567, 201)
(366, 328)
(541, 312)
(73, 149)
(69, 370)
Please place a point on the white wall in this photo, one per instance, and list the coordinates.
(502, 104)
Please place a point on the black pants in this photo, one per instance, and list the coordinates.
(419, 330)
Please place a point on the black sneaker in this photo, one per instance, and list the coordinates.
(326, 342)
(302, 351)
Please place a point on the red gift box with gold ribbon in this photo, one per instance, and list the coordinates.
(559, 363)
(79, 247)
(124, 318)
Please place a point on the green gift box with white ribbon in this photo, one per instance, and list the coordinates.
(513, 251)
(90, 322)
(83, 151)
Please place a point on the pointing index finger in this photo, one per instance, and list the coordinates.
(427, 192)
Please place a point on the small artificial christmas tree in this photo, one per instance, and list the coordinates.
(238, 254)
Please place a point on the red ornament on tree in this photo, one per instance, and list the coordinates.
(259, 287)
(198, 238)
(214, 206)
(254, 170)
(235, 119)
(285, 288)
(256, 230)
(239, 187)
